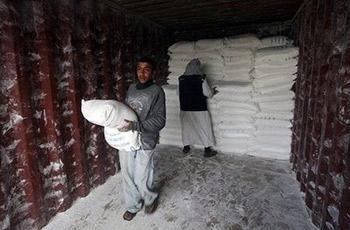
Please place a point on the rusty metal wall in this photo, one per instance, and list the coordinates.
(321, 132)
(53, 54)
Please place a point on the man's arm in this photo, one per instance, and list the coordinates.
(207, 91)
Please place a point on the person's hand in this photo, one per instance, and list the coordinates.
(215, 91)
(127, 127)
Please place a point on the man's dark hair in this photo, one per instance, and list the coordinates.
(148, 60)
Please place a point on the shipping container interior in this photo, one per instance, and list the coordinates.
(282, 69)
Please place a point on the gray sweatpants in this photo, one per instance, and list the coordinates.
(137, 172)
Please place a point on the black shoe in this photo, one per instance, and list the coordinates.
(128, 216)
(186, 149)
(149, 209)
(208, 152)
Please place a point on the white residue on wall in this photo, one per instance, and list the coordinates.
(338, 181)
(13, 145)
(65, 76)
(23, 208)
(333, 212)
(67, 105)
(28, 223)
(91, 151)
(70, 142)
(52, 167)
(65, 64)
(68, 48)
(34, 56)
(328, 143)
(3, 110)
(38, 114)
(15, 119)
(41, 75)
(70, 125)
(67, 113)
(312, 184)
(5, 156)
(7, 84)
(5, 224)
(49, 145)
(38, 96)
(3, 6)
(322, 189)
(57, 193)
(16, 197)
(55, 181)
(45, 119)
(62, 85)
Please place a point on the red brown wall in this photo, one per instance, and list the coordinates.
(53, 54)
(321, 132)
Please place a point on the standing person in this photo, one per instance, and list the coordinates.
(148, 101)
(196, 125)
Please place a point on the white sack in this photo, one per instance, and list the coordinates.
(111, 115)
(272, 132)
(277, 106)
(274, 96)
(208, 44)
(243, 41)
(275, 41)
(264, 70)
(183, 46)
(262, 123)
(276, 115)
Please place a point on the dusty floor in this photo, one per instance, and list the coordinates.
(223, 192)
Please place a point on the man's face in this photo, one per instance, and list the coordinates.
(144, 72)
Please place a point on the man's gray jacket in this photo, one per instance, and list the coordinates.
(149, 105)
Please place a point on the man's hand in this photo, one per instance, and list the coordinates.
(215, 91)
(127, 127)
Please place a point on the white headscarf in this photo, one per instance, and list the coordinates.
(193, 67)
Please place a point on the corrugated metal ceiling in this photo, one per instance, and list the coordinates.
(198, 14)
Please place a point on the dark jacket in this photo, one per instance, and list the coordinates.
(191, 93)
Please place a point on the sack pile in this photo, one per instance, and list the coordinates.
(253, 110)
(233, 121)
(171, 133)
(273, 77)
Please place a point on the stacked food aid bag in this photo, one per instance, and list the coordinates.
(181, 53)
(253, 106)
(233, 117)
(171, 133)
(273, 77)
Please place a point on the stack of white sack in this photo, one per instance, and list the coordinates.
(275, 41)
(253, 110)
(239, 62)
(238, 56)
(250, 41)
(180, 54)
(233, 120)
(273, 77)
(171, 133)
(111, 115)
(209, 52)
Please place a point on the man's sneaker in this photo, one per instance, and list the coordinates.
(149, 209)
(208, 152)
(186, 149)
